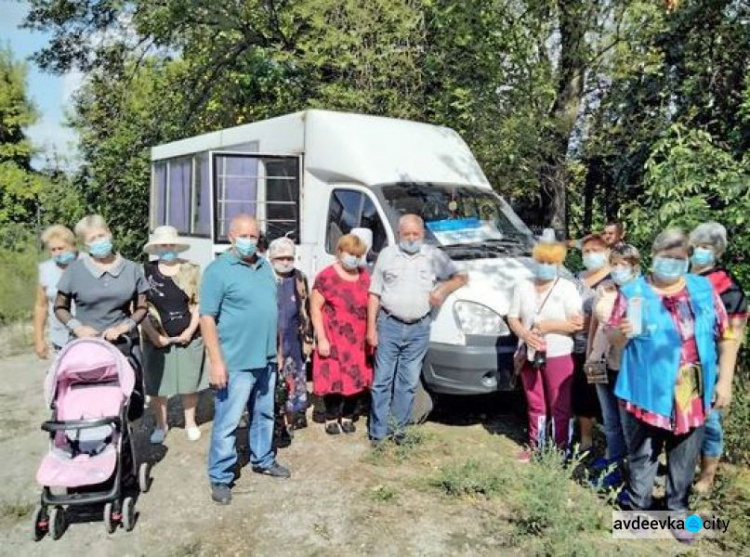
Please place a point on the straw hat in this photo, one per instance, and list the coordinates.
(162, 236)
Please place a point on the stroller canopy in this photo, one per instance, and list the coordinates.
(89, 360)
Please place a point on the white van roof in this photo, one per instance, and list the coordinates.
(342, 147)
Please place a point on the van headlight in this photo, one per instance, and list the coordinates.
(478, 319)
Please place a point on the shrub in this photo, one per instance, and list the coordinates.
(469, 479)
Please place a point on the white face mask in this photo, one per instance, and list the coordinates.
(283, 267)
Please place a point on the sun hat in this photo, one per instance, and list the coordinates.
(162, 236)
(281, 247)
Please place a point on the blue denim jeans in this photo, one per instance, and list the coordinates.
(713, 437)
(645, 442)
(398, 366)
(609, 403)
(253, 389)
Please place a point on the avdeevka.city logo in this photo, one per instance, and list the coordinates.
(665, 524)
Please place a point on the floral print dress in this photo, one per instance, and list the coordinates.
(347, 370)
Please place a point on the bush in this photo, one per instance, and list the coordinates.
(18, 275)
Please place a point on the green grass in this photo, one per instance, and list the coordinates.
(470, 479)
(383, 494)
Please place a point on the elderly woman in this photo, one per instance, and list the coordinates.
(295, 329)
(60, 243)
(109, 293)
(708, 242)
(668, 371)
(173, 347)
(544, 314)
(585, 401)
(625, 265)
(341, 369)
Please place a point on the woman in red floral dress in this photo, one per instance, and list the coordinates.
(341, 369)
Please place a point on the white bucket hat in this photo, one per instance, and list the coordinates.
(165, 236)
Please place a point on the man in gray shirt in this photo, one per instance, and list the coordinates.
(408, 281)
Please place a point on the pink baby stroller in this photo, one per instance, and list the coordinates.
(91, 458)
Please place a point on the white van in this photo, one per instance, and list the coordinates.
(316, 175)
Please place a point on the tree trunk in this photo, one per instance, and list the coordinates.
(573, 23)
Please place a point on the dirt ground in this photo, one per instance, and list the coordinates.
(343, 499)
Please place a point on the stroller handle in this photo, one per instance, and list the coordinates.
(52, 426)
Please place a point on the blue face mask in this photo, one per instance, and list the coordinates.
(64, 258)
(622, 275)
(349, 262)
(167, 256)
(100, 248)
(410, 247)
(545, 271)
(669, 269)
(594, 261)
(245, 246)
(702, 257)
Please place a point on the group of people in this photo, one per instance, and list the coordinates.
(249, 320)
(650, 352)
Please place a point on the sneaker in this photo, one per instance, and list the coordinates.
(193, 433)
(399, 438)
(348, 427)
(221, 494)
(157, 437)
(600, 464)
(276, 470)
(299, 421)
(377, 444)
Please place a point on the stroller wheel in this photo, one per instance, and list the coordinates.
(144, 477)
(40, 524)
(109, 522)
(128, 513)
(57, 522)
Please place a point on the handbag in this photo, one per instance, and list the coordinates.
(596, 372)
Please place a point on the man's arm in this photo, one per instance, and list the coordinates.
(211, 342)
(373, 307)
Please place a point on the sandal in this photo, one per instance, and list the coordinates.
(333, 428)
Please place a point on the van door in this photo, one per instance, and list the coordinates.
(266, 187)
(351, 207)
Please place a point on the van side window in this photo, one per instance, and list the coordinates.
(351, 209)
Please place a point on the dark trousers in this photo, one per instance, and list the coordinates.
(340, 406)
(644, 443)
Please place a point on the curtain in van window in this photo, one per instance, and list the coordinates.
(180, 176)
(159, 213)
(238, 188)
(202, 223)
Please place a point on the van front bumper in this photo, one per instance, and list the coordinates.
(484, 365)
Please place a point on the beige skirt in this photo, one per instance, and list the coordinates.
(175, 370)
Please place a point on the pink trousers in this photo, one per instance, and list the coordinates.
(548, 395)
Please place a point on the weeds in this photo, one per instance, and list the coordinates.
(13, 511)
(413, 440)
(383, 494)
(469, 479)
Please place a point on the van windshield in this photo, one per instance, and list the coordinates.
(459, 216)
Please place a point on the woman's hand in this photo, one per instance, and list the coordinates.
(626, 328)
(533, 339)
(41, 349)
(160, 341)
(722, 395)
(324, 348)
(84, 331)
(185, 338)
(113, 333)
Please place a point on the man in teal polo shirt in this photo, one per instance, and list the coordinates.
(239, 322)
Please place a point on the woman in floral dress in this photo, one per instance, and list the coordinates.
(341, 368)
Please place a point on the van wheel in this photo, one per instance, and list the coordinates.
(424, 403)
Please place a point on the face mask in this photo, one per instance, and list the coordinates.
(702, 257)
(64, 258)
(594, 261)
(167, 256)
(100, 248)
(669, 269)
(362, 263)
(283, 267)
(545, 271)
(245, 246)
(410, 247)
(622, 275)
(350, 262)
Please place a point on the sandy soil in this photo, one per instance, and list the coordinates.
(331, 505)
